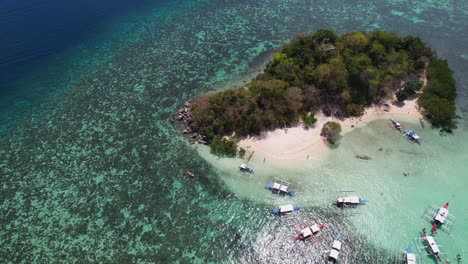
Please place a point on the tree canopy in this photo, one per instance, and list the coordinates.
(438, 98)
(338, 74)
(331, 131)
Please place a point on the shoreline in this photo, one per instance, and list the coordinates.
(298, 143)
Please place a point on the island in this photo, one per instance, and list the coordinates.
(325, 75)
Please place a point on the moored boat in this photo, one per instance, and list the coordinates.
(245, 168)
(409, 256)
(349, 201)
(280, 187)
(335, 251)
(285, 209)
(413, 137)
(396, 124)
(431, 245)
(309, 231)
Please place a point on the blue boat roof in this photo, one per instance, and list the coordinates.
(409, 249)
(411, 133)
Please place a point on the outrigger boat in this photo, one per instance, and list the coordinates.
(308, 232)
(285, 209)
(409, 256)
(431, 245)
(396, 125)
(246, 168)
(440, 218)
(413, 137)
(349, 201)
(280, 187)
(335, 251)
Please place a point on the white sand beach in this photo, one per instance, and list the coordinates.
(298, 143)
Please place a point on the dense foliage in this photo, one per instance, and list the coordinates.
(309, 120)
(339, 75)
(439, 95)
(410, 89)
(331, 131)
(223, 147)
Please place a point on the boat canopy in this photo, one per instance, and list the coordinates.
(349, 200)
(286, 208)
(315, 228)
(284, 188)
(306, 232)
(276, 186)
(410, 258)
(412, 135)
(336, 245)
(334, 254)
(442, 215)
(432, 244)
(245, 166)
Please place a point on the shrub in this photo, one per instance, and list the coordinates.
(354, 110)
(419, 65)
(223, 147)
(241, 153)
(331, 131)
(409, 90)
(327, 111)
(309, 120)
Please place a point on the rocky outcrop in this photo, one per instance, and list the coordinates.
(184, 115)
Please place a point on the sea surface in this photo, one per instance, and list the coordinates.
(93, 170)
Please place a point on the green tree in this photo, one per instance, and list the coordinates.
(410, 89)
(309, 120)
(440, 111)
(331, 131)
(354, 110)
(389, 40)
(415, 47)
(326, 35)
(241, 153)
(438, 98)
(377, 53)
(357, 41)
(223, 147)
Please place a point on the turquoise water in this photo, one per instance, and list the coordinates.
(95, 172)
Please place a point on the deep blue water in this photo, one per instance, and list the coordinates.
(32, 33)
